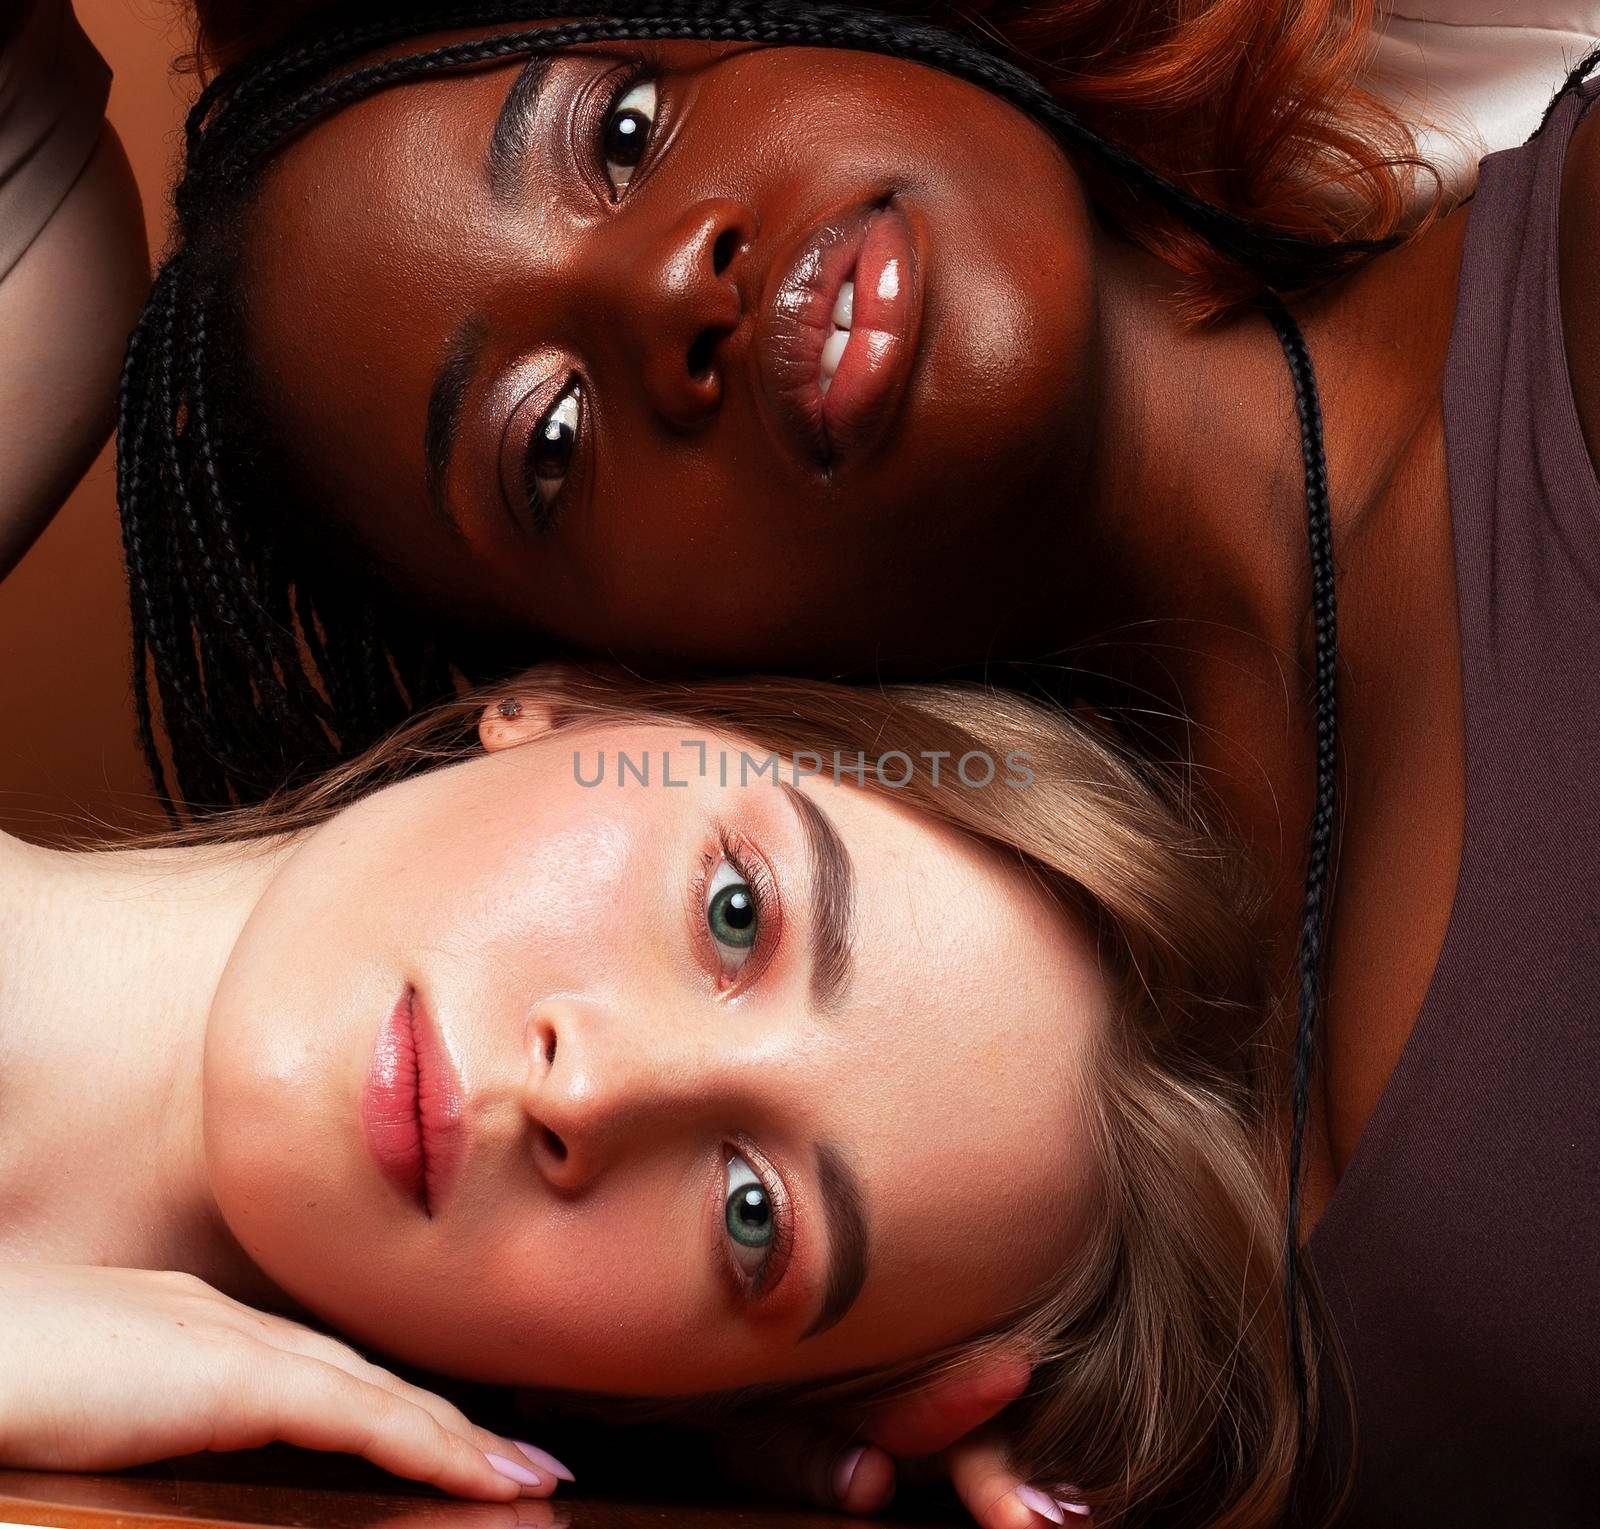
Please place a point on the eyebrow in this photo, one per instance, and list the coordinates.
(844, 1208)
(513, 127)
(832, 902)
(844, 1205)
(446, 402)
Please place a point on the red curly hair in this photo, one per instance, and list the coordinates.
(1253, 105)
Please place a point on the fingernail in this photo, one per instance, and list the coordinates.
(1066, 1498)
(509, 1468)
(845, 1471)
(546, 1459)
(1045, 1506)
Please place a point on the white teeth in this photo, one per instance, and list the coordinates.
(844, 309)
(832, 354)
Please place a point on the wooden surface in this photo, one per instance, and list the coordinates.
(283, 1487)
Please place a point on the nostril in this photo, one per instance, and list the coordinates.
(558, 1148)
(701, 352)
(723, 251)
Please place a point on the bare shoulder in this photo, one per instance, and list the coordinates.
(1580, 273)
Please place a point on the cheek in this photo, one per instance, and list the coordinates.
(289, 1036)
(611, 1292)
(614, 1292)
(1013, 296)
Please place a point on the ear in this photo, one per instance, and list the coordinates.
(525, 710)
(945, 1410)
(512, 720)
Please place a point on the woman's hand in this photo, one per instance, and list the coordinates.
(830, 1470)
(105, 1368)
(978, 1469)
(942, 1432)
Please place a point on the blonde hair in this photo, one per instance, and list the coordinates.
(1161, 1362)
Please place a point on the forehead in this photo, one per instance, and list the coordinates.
(941, 920)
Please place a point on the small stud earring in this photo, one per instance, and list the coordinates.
(510, 710)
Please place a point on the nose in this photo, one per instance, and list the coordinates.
(689, 295)
(595, 1087)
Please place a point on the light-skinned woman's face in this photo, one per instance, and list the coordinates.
(551, 345)
(717, 1083)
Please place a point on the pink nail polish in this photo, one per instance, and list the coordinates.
(514, 1472)
(546, 1459)
(1066, 1496)
(1040, 1503)
(845, 1471)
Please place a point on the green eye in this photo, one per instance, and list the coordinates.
(732, 915)
(748, 1216)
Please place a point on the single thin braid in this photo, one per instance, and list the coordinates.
(1319, 528)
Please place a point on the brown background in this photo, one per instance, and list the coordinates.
(67, 751)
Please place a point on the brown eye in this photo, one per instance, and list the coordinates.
(626, 135)
(550, 451)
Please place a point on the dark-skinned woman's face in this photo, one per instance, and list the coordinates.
(723, 355)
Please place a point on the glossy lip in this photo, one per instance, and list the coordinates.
(411, 1107)
(867, 241)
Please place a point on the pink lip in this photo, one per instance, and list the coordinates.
(411, 1107)
(873, 244)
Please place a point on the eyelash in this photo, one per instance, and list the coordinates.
(754, 1286)
(752, 870)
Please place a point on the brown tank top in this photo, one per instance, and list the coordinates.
(1460, 1254)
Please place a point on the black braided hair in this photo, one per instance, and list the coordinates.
(274, 657)
(1314, 910)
